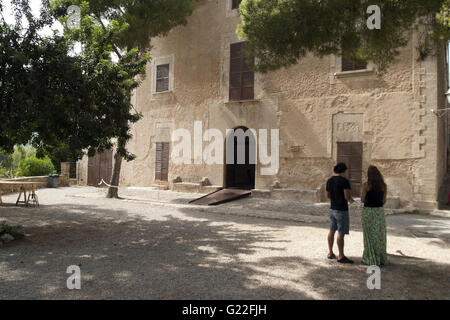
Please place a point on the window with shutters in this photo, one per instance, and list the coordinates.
(162, 161)
(162, 77)
(350, 65)
(242, 78)
(235, 4)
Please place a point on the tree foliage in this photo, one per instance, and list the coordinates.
(281, 32)
(141, 19)
(49, 95)
(125, 28)
(33, 167)
(9, 162)
(52, 96)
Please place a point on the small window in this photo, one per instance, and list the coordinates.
(235, 4)
(242, 78)
(162, 78)
(351, 65)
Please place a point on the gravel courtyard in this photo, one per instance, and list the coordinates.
(154, 245)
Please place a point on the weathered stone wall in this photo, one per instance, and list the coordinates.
(41, 182)
(64, 179)
(312, 103)
(82, 171)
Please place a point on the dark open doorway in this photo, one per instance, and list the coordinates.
(240, 175)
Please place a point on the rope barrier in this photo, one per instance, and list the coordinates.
(108, 185)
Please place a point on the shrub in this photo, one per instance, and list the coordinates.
(3, 172)
(31, 167)
(16, 232)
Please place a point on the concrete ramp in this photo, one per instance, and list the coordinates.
(221, 196)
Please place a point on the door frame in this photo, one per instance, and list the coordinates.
(226, 178)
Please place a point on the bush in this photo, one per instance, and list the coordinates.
(31, 167)
(3, 172)
(16, 232)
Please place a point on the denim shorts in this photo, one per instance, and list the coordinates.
(340, 221)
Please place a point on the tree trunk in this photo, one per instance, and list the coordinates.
(113, 191)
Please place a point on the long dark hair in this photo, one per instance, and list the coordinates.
(375, 179)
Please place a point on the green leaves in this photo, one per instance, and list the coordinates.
(53, 96)
(32, 167)
(281, 32)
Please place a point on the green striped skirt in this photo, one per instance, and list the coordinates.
(374, 231)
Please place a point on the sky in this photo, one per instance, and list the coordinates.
(35, 7)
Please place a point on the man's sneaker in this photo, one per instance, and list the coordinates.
(345, 260)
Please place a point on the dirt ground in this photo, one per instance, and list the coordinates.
(154, 245)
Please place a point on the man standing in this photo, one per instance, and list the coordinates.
(339, 192)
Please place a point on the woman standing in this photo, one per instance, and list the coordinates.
(374, 193)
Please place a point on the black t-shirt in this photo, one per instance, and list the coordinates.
(336, 186)
(374, 199)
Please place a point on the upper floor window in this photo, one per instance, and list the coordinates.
(162, 77)
(351, 65)
(235, 4)
(242, 78)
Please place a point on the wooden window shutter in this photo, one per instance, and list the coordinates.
(242, 78)
(162, 161)
(162, 78)
(165, 162)
(158, 164)
(235, 4)
(349, 65)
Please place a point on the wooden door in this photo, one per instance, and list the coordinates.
(106, 166)
(100, 167)
(351, 154)
(93, 170)
(162, 161)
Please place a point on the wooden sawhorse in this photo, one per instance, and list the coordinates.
(31, 189)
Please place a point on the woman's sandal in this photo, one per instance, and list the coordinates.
(333, 256)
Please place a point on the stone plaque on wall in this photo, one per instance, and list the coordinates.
(348, 127)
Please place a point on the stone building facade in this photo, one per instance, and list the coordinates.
(317, 108)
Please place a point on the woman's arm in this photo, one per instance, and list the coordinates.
(364, 193)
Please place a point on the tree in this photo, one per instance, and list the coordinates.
(6, 164)
(59, 153)
(9, 162)
(125, 28)
(51, 96)
(281, 32)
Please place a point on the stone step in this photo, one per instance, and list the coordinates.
(441, 213)
(161, 186)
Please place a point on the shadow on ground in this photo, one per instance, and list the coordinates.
(407, 225)
(125, 256)
(128, 257)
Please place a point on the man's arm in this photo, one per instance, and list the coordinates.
(348, 195)
(328, 190)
